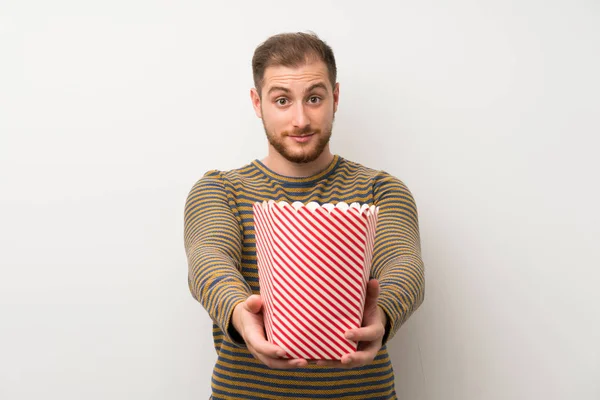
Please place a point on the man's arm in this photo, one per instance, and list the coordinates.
(213, 244)
(397, 262)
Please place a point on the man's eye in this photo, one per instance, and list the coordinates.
(281, 102)
(314, 99)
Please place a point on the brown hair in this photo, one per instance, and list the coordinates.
(291, 50)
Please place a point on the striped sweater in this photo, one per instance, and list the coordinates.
(221, 250)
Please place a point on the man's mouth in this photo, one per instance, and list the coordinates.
(310, 134)
(301, 138)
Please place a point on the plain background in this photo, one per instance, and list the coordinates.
(111, 110)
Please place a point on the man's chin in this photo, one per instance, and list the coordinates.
(304, 158)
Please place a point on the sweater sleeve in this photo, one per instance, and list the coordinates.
(397, 262)
(213, 245)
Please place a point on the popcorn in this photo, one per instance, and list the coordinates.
(313, 264)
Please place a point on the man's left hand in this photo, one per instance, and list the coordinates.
(370, 336)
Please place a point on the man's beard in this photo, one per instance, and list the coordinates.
(309, 152)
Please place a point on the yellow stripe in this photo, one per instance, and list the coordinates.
(282, 376)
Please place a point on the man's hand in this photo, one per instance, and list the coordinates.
(370, 336)
(247, 319)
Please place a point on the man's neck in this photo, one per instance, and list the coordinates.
(280, 165)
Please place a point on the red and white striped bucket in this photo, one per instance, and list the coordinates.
(313, 267)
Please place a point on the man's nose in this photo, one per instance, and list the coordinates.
(300, 118)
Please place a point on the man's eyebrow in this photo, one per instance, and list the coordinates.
(275, 88)
(319, 85)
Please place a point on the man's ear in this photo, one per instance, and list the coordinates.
(336, 96)
(256, 102)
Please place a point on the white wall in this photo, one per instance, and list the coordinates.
(111, 110)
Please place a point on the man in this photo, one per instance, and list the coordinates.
(296, 97)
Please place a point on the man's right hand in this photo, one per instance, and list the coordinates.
(248, 320)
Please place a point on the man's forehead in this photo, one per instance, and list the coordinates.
(305, 89)
(303, 76)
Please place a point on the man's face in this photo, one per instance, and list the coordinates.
(297, 108)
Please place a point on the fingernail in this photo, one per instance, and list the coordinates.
(350, 335)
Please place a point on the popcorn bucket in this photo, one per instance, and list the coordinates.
(313, 267)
